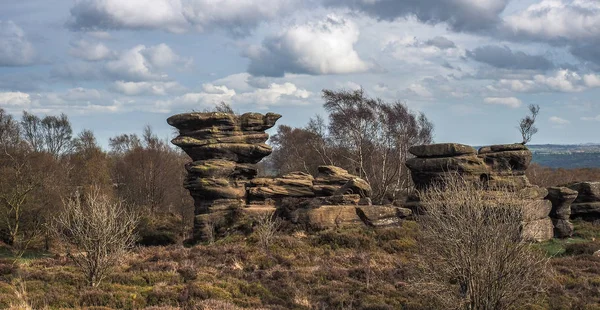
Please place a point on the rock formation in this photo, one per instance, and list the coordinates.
(587, 204)
(498, 166)
(561, 198)
(224, 149)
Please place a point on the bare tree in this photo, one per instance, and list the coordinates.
(472, 253)
(527, 124)
(267, 226)
(101, 230)
(52, 134)
(373, 137)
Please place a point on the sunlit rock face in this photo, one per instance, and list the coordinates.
(224, 149)
(497, 166)
(222, 179)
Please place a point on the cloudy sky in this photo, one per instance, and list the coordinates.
(472, 66)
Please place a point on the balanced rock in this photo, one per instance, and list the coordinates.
(561, 198)
(224, 148)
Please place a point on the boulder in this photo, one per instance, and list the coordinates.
(589, 211)
(533, 193)
(221, 169)
(587, 191)
(561, 198)
(441, 150)
(562, 228)
(462, 164)
(355, 186)
(254, 138)
(257, 121)
(536, 210)
(196, 120)
(236, 152)
(214, 188)
(513, 160)
(325, 217)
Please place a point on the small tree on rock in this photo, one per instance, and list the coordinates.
(527, 124)
(100, 229)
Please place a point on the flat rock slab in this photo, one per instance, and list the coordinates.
(587, 191)
(442, 150)
(589, 211)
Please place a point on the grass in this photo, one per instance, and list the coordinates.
(337, 269)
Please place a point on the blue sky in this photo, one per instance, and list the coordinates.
(472, 66)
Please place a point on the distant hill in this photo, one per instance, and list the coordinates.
(566, 156)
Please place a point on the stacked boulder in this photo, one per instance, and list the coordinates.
(497, 166)
(587, 204)
(561, 198)
(335, 198)
(224, 148)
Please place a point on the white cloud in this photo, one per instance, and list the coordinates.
(419, 90)
(212, 94)
(507, 101)
(558, 121)
(555, 20)
(323, 47)
(142, 63)
(147, 88)
(15, 48)
(14, 99)
(559, 81)
(92, 51)
(592, 80)
(131, 14)
(595, 118)
(236, 16)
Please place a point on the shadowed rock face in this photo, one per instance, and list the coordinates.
(497, 166)
(224, 148)
(587, 204)
(561, 198)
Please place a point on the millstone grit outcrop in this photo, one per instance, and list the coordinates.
(224, 149)
(497, 166)
(587, 204)
(561, 198)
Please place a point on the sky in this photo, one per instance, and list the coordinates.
(472, 66)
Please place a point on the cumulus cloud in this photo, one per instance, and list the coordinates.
(559, 81)
(507, 101)
(467, 15)
(588, 52)
(557, 20)
(14, 99)
(558, 121)
(324, 47)
(142, 63)
(211, 94)
(15, 48)
(505, 58)
(411, 50)
(147, 88)
(236, 16)
(91, 51)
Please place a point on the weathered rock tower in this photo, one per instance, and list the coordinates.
(224, 149)
(498, 166)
